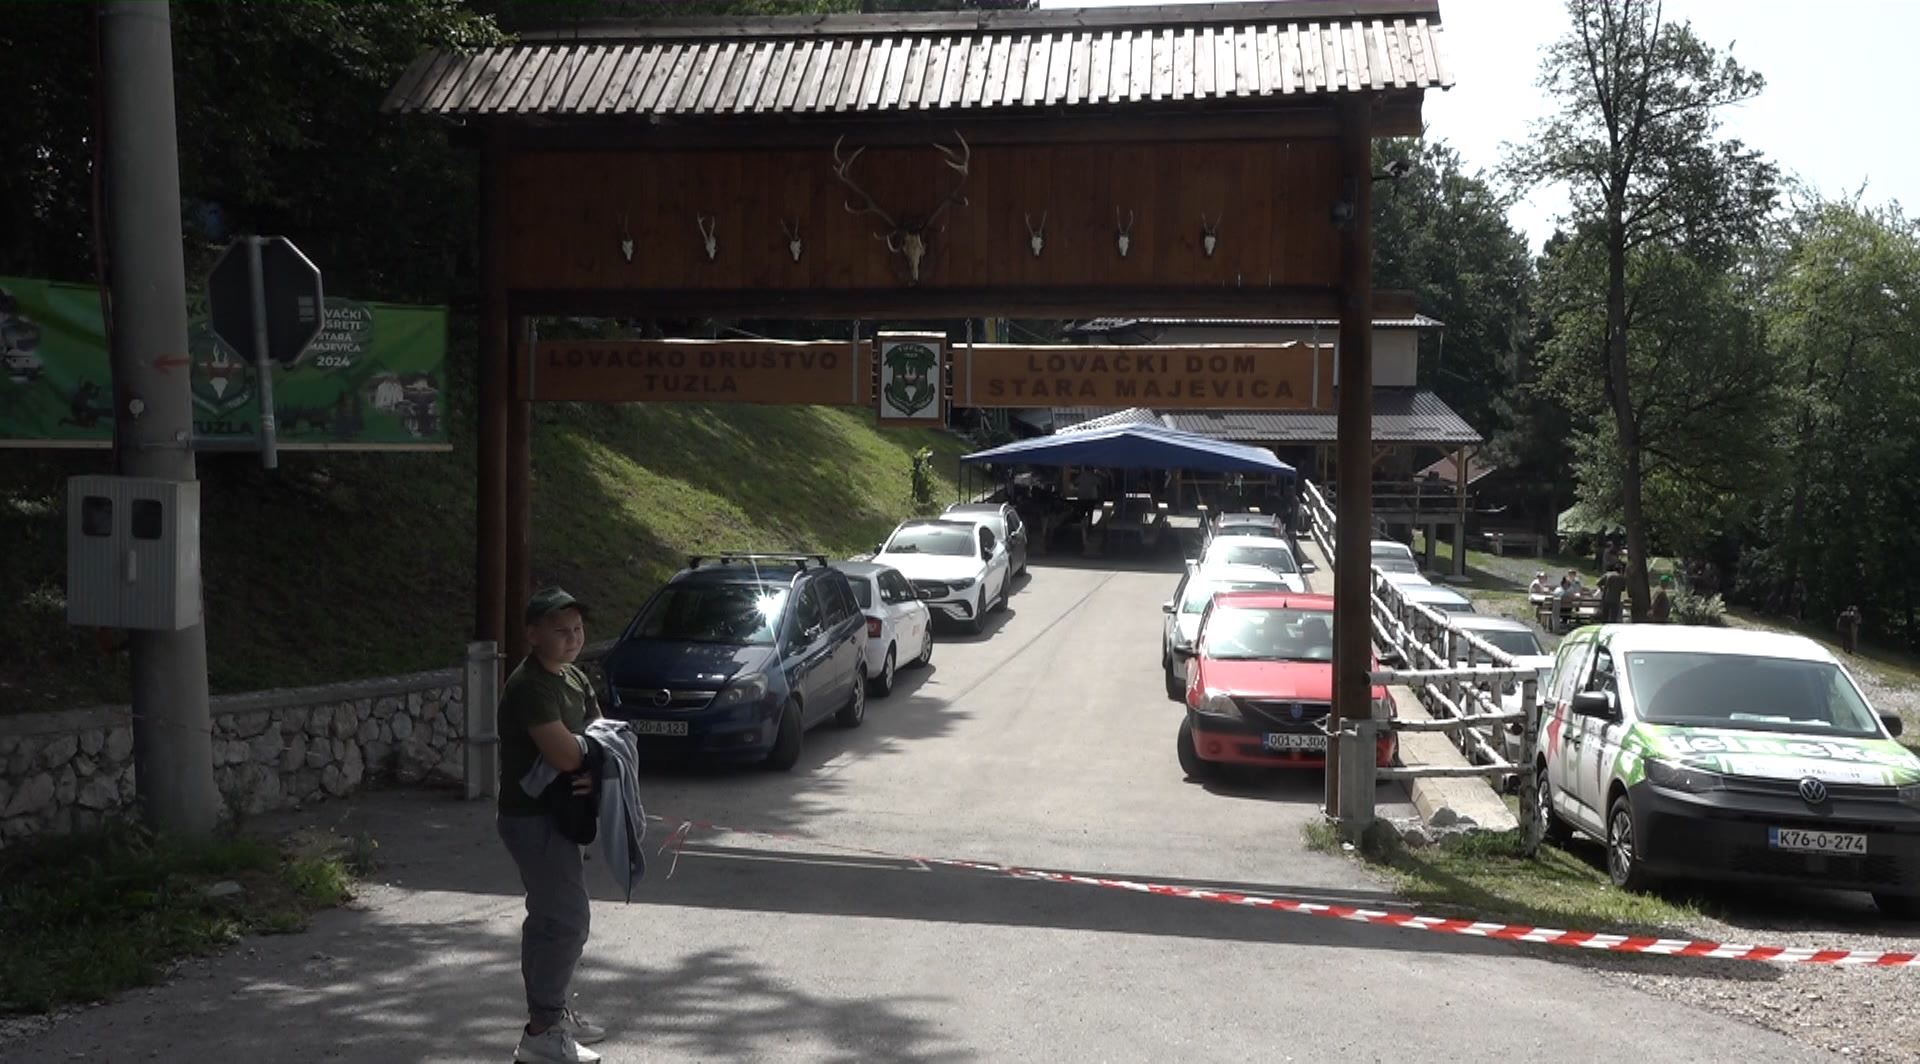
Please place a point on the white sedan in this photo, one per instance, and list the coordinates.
(899, 625)
(1264, 551)
(1189, 602)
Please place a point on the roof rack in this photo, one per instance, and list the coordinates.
(697, 560)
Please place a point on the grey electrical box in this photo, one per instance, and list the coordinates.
(133, 553)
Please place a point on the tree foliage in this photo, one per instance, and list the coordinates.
(1443, 234)
(1843, 311)
(1703, 379)
(279, 129)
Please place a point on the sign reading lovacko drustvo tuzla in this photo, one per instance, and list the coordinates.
(912, 379)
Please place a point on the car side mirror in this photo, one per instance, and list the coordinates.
(1392, 659)
(1185, 652)
(1166, 607)
(1894, 725)
(1596, 704)
(1309, 567)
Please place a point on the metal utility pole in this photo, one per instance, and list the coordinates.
(153, 408)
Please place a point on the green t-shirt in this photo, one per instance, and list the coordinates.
(533, 696)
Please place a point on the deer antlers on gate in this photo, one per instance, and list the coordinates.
(907, 240)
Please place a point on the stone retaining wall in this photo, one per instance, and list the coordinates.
(72, 770)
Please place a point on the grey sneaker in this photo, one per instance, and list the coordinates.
(583, 1031)
(555, 1045)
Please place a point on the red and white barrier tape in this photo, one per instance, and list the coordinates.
(1545, 936)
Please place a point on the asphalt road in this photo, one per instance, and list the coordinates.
(1047, 743)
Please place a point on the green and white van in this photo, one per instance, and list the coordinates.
(1720, 754)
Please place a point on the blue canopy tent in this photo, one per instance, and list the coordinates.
(1136, 447)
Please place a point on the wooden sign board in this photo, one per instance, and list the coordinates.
(816, 373)
(912, 379)
(1290, 376)
(1106, 217)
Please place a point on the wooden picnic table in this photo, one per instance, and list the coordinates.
(1583, 608)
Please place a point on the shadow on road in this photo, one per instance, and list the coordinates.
(449, 846)
(360, 987)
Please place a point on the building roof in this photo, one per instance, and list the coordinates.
(1400, 415)
(1199, 57)
(1111, 325)
(1078, 420)
(1448, 470)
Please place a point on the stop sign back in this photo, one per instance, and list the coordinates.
(290, 301)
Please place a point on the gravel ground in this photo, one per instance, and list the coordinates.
(1864, 1014)
(1858, 1013)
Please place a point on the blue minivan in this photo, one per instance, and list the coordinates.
(737, 656)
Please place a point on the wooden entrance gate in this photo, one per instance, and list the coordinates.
(1206, 162)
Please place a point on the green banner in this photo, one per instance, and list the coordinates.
(373, 380)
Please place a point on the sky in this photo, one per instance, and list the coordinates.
(1834, 115)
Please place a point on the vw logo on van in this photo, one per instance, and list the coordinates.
(1813, 791)
(663, 698)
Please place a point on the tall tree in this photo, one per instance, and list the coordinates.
(1636, 139)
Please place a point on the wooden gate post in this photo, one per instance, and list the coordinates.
(1353, 559)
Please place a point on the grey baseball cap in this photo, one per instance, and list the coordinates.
(551, 600)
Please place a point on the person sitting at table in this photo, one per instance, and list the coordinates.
(1563, 597)
(1541, 587)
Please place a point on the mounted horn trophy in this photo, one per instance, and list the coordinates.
(906, 239)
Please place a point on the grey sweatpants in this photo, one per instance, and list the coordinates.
(558, 917)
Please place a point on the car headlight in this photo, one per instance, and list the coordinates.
(1910, 795)
(960, 585)
(742, 691)
(1681, 778)
(1218, 705)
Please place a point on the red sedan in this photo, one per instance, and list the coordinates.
(1260, 685)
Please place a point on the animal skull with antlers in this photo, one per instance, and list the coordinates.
(909, 239)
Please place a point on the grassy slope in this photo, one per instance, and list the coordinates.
(346, 566)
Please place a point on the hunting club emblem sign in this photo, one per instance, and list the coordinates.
(912, 375)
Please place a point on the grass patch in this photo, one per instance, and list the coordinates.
(1484, 876)
(344, 566)
(84, 917)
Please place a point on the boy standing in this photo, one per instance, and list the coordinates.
(544, 709)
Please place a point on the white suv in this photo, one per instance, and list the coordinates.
(959, 567)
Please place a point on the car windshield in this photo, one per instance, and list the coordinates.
(862, 591)
(1395, 563)
(933, 539)
(740, 614)
(1749, 692)
(1278, 559)
(1383, 551)
(1517, 643)
(1200, 592)
(1269, 634)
